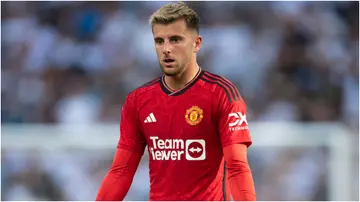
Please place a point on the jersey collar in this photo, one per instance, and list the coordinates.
(180, 91)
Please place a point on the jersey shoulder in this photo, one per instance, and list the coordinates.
(221, 87)
(144, 89)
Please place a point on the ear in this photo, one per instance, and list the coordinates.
(198, 43)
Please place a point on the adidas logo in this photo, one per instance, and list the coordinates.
(150, 118)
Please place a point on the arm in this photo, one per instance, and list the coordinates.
(235, 139)
(240, 176)
(118, 180)
(129, 151)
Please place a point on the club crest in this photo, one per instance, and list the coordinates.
(194, 115)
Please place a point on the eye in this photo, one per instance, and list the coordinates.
(159, 41)
(174, 39)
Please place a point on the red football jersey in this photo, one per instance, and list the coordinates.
(185, 132)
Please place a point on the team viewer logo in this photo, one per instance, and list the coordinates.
(194, 115)
(174, 149)
(195, 150)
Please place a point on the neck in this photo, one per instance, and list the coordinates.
(177, 82)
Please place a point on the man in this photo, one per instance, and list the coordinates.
(193, 122)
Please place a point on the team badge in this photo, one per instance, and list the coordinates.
(194, 115)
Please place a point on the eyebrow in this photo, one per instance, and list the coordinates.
(176, 35)
(172, 36)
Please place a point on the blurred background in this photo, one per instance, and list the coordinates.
(66, 65)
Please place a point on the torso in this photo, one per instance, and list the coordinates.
(185, 152)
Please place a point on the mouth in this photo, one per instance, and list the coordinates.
(168, 61)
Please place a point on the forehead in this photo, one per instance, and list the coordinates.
(176, 28)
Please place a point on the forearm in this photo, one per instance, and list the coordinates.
(241, 182)
(239, 173)
(118, 180)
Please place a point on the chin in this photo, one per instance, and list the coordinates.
(174, 71)
(171, 72)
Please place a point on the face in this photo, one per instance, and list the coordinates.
(176, 46)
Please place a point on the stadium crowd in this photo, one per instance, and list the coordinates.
(74, 62)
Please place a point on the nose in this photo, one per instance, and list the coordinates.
(166, 48)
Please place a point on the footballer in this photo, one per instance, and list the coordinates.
(192, 122)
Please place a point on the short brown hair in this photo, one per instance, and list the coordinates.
(174, 11)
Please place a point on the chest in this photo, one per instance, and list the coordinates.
(177, 117)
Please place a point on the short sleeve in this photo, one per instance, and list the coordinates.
(232, 123)
(131, 137)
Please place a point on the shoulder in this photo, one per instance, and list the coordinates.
(221, 86)
(144, 89)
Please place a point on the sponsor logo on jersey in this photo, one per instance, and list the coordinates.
(177, 149)
(194, 115)
(238, 121)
